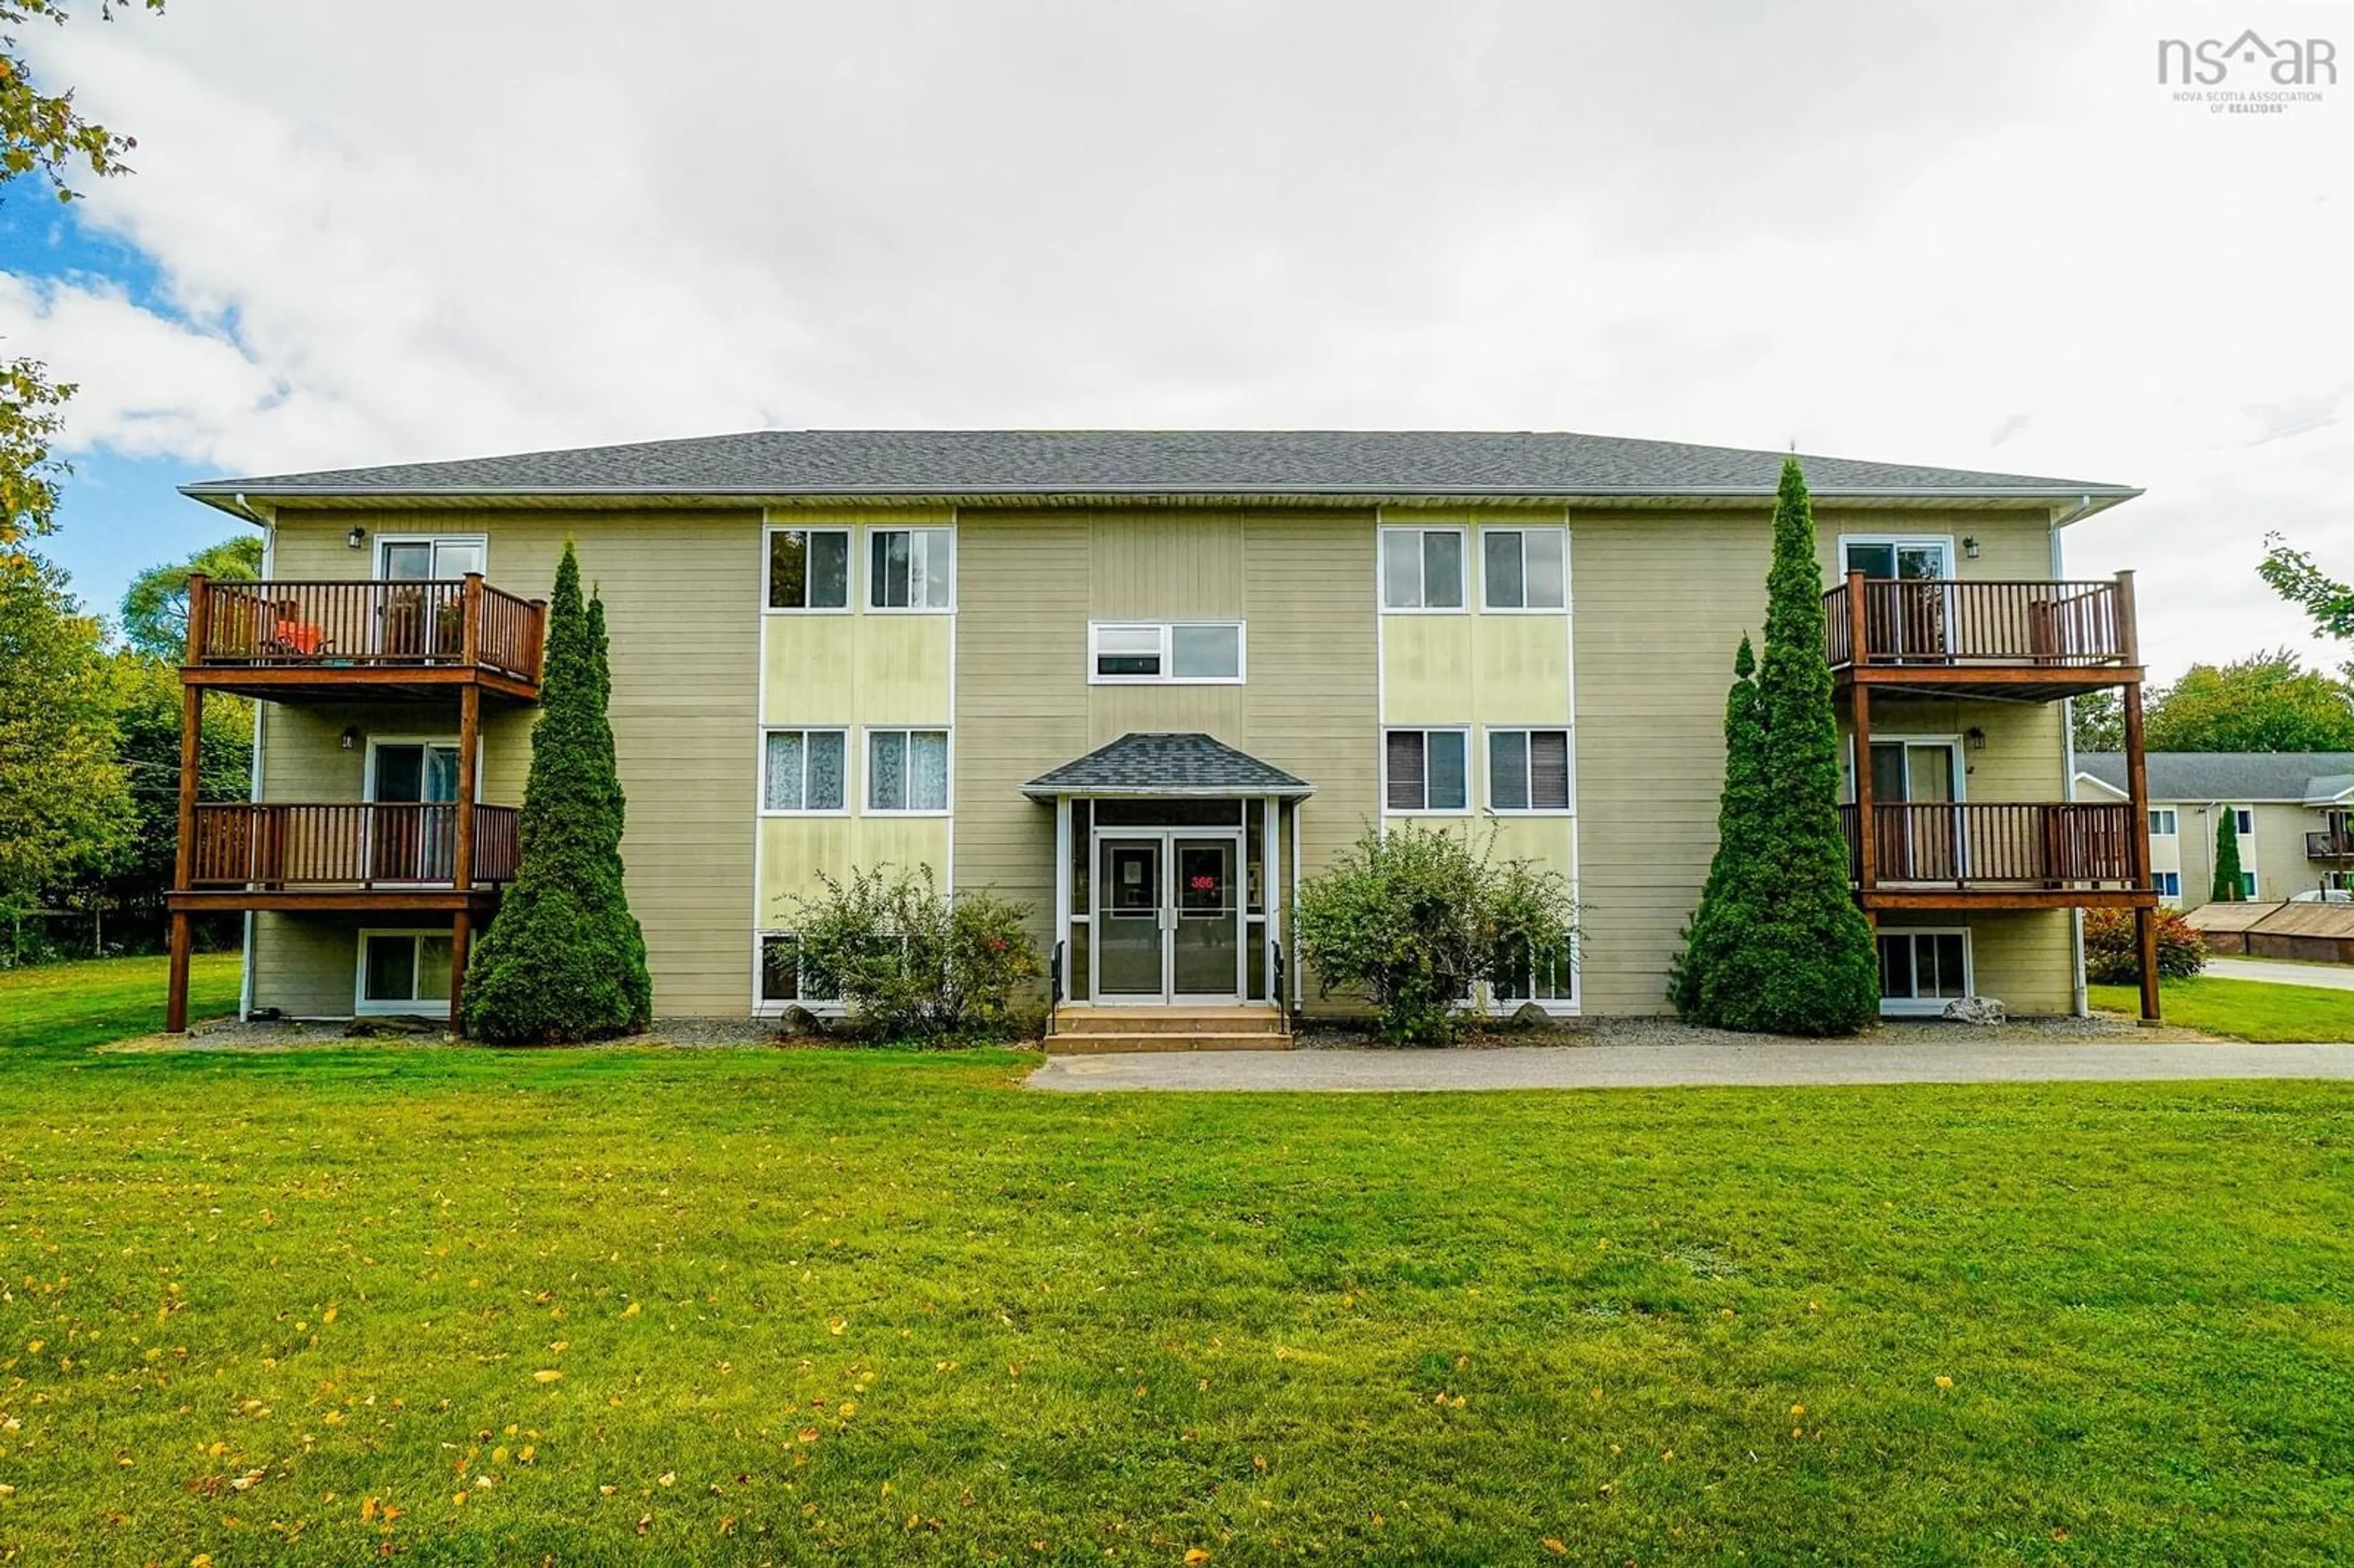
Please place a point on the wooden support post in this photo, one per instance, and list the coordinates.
(192, 756)
(175, 1000)
(469, 620)
(461, 939)
(470, 731)
(1867, 833)
(2128, 627)
(200, 615)
(2138, 791)
(1858, 645)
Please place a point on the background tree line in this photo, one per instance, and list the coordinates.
(89, 754)
(2268, 702)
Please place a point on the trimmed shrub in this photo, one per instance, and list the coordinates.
(1414, 918)
(2112, 959)
(913, 963)
(563, 959)
(1777, 945)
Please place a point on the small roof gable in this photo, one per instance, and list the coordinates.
(2230, 776)
(1166, 763)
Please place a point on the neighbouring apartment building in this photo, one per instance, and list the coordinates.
(1146, 681)
(2294, 812)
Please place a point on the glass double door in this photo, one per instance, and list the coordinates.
(1167, 923)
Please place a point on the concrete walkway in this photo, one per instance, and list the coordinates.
(1780, 1062)
(2284, 971)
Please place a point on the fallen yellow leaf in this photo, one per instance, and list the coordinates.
(549, 1375)
(1196, 1557)
(1554, 1546)
(632, 1309)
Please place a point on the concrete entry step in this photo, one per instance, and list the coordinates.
(1082, 1029)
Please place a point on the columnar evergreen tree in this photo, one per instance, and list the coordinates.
(2230, 887)
(1727, 904)
(1786, 951)
(564, 960)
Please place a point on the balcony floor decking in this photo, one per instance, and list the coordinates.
(1984, 681)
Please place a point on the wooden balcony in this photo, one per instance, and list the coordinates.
(2000, 855)
(347, 855)
(340, 640)
(2018, 641)
(2335, 844)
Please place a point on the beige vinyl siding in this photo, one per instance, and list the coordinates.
(307, 966)
(682, 593)
(1660, 601)
(1032, 581)
(2021, 958)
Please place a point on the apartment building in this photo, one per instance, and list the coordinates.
(1145, 682)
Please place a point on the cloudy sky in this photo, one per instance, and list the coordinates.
(1979, 235)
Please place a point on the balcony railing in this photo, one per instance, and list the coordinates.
(1953, 622)
(355, 844)
(1970, 844)
(2336, 845)
(364, 624)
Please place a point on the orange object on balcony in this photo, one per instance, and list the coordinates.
(302, 638)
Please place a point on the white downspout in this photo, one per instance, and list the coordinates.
(245, 965)
(2080, 1000)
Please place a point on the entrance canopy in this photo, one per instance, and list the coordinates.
(1167, 762)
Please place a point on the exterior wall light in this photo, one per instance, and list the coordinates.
(1977, 737)
(1969, 546)
(358, 538)
(351, 738)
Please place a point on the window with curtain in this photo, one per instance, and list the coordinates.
(1528, 770)
(911, 568)
(1426, 770)
(804, 771)
(1525, 568)
(907, 770)
(1422, 568)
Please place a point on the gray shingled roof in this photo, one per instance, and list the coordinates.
(1166, 763)
(1216, 462)
(2229, 775)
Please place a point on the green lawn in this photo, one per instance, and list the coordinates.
(2243, 1009)
(62, 1008)
(760, 1306)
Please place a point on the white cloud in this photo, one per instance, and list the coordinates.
(1977, 235)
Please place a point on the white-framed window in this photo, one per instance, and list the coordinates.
(2247, 886)
(403, 971)
(1426, 770)
(1422, 568)
(784, 982)
(809, 569)
(2169, 884)
(908, 771)
(1528, 770)
(2244, 821)
(1922, 969)
(804, 770)
(1179, 652)
(1552, 976)
(1919, 557)
(911, 568)
(1525, 568)
(430, 558)
(2163, 822)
